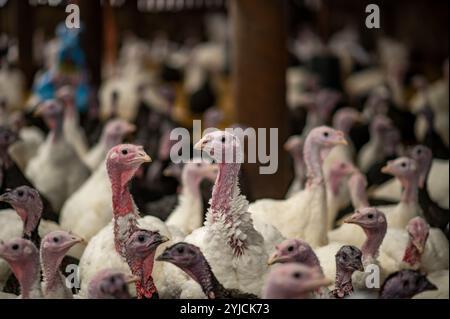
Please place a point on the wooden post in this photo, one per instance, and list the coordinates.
(259, 59)
(91, 16)
(24, 26)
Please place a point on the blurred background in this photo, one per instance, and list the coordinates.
(249, 63)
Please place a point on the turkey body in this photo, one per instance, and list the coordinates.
(57, 171)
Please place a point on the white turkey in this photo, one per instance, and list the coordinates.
(56, 170)
(304, 215)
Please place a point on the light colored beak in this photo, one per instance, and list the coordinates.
(420, 247)
(351, 219)
(386, 169)
(200, 144)
(341, 139)
(131, 128)
(78, 239)
(273, 259)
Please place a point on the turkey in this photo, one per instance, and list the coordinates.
(417, 246)
(299, 251)
(406, 170)
(348, 260)
(140, 250)
(374, 151)
(437, 183)
(73, 132)
(294, 145)
(188, 215)
(343, 120)
(53, 248)
(304, 215)
(236, 251)
(110, 284)
(338, 196)
(405, 284)
(106, 248)
(190, 259)
(435, 215)
(113, 133)
(293, 281)
(11, 175)
(23, 220)
(23, 257)
(56, 171)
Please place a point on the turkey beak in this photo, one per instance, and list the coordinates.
(359, 265)
(132, 279)
(387, 169)
(143, 157)
(38, 111)
(419, 245)
(341, 138)
(200, 145)
(273, 259)
(75, 240)
(165, 256)
(353, 219)
(6, 197)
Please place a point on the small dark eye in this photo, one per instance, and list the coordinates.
(290, 248)
(20, 193)
(124, 151)
(297, 275)
(403, 164)
(325, 134)
(180, 250)
(112, 280)
(419, 151)
(141, 238)
(344, 257)
(15, 246)
(370, 216)
(405, 283)
(55, 239)
(223, 139)
(198, 164)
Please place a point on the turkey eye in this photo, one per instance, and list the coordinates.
(344, 257)
(405, 283)
(370, 216)
(113, 280)
(55, 239)
(325, 134)
(198, 164)
(290, 248)
(223, 139)
(419, 151)
(15, 247)
(403, 164)
(141, 238)
(125, 152)
(180, 250)
(297, 275)
(20, 193)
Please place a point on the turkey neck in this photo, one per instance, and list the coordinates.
(124, 217)
(412, 255)
(224, 187)
(30, 225)
(142, 268)
(344, 286)
(358, 197)
(29, 277)
(56, 128)
(410, 190)
(204, 276)
(53, 279)
(373, 242)
(313, 163)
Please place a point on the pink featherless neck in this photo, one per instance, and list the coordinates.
(313, 161)
(143, 268)
(224, 187)
(28, 275)
(124, 216)
(373, 242)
